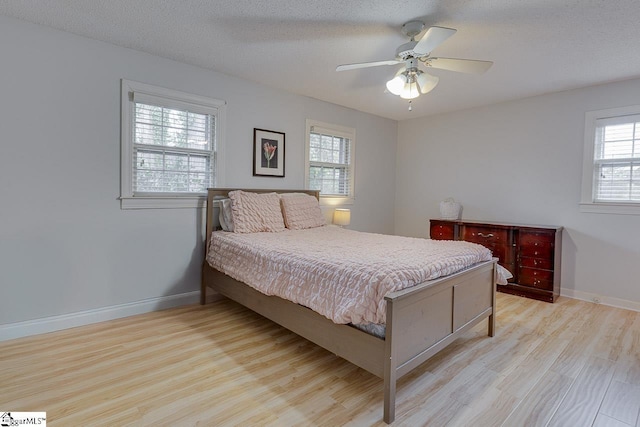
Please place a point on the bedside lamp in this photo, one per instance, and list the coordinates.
(342, 217)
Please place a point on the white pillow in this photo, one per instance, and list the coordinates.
(301, 211)
(254, 213)
(226, 215)
(223, 224)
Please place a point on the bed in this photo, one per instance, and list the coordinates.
(420, 320)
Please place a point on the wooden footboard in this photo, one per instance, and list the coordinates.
(424, 319)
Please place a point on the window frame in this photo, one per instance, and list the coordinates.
(334, 130)
(587, 200)
(165, 97)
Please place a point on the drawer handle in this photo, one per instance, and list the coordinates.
(485, 235)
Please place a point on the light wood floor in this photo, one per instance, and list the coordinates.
(566, 364)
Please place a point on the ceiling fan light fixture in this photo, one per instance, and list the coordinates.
(410, 82)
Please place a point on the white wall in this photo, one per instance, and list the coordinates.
(521, 162)
(65, 244)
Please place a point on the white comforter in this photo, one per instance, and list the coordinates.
(341, 274)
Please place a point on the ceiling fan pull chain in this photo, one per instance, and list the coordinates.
(410, 106)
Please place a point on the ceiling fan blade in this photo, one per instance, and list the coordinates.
(432, 39)
(347, 67)
(460, 65)
(426, 82)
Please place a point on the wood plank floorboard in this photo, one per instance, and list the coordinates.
(571, 363)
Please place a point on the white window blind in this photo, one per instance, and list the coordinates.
(330, 161)
(616, 172)
(173, 150)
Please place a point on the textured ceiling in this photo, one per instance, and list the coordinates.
(537, 46)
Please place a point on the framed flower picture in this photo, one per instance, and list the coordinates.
(268, 153)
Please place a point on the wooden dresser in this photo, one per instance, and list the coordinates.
(530, 252)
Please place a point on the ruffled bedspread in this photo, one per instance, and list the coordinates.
(339, 273)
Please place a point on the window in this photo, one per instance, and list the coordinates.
(611, 172)
(170, 147)
(330, 160)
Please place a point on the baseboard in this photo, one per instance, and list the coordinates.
(55, 323)
(600, 299)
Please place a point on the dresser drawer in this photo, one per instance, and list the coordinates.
(441, 231)
(497, 240)
(540, 279)
(536, 245)
(539, 250)
(498, 251)
(543, 263)
(485, 236)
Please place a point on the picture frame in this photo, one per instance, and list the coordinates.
(268, 153)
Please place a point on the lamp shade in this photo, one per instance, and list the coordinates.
(396, 84)
(426, 81)
(410, 90)
(342, 216)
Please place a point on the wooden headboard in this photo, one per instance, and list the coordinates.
(214, 194)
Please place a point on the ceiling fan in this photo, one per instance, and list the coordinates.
(409, 82)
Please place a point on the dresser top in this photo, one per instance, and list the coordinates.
(496, 224)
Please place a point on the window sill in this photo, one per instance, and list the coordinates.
(611, 208)
(167, 202)
(336, 201)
